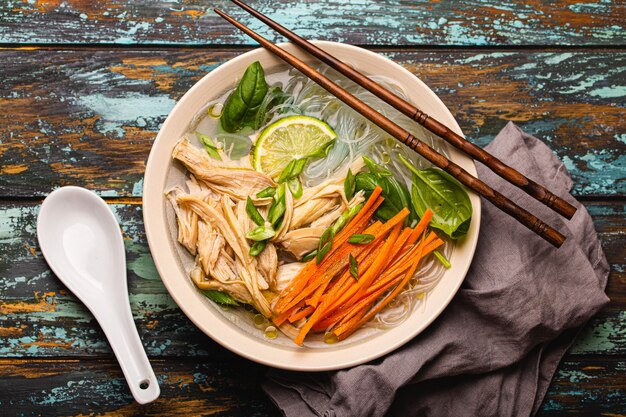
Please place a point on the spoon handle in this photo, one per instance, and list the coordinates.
(120, 330)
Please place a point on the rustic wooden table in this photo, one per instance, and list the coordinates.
(84, 87)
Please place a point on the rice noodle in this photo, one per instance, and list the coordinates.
(356, 136)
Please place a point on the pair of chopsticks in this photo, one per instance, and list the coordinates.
(532, 188)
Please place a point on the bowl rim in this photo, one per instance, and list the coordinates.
(228, 334)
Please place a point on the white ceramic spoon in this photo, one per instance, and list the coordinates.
(82, 242)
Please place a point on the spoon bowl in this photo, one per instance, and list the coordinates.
(82, 243)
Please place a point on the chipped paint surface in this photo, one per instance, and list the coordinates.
(370, 22)
(87, 116)
(41, 318)
(94, 125)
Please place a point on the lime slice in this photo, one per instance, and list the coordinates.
(292, 137)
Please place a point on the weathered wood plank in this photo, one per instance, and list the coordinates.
(40, 318)
(203, 387)
(587, 388)
(370, 22)
(97, 387)
(89, 117)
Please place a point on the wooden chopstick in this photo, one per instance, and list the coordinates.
(532, 188)
(475, 184)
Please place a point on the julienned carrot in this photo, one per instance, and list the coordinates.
(370, 206)
(323, 307)
(302, 313)
(379, 263)
(345, 233)
(401, 259)
(281, 318)
(302, 280)
(417, 231)
(317, 295)
(349, 329)
(324, 275)
(393, 274)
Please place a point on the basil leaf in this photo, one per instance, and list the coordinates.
(253, 213)
(396, 194)
(220, 297)
(366, 182)
(267, 192)
(260, 233)
(243, 103)
(274, 97)
(257, 247)
(354, 268)
(349, 185)
(361, 239)
(209, 146)
(437, 190)
(376, 168)
(295, 186)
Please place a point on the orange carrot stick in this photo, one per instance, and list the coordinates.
(379, 263)
(301, 314)
(350, 329)
(311, 269)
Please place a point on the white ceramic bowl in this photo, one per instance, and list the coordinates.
(226, 328)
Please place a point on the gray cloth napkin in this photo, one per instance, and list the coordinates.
(495, 348)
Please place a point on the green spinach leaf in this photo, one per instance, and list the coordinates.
(437, 190)
(243, 104)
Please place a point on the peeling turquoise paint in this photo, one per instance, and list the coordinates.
(601, 336)
(125, 109)
(609, 92)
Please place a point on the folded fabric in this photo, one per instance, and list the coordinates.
(495, 348)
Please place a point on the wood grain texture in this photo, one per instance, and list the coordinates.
(370, 22)
(88, 117)
(191, 387)
(40, 318)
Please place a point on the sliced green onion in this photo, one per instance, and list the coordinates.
(446, 264)
(298, 167)
(295, 186)
(323, 251)
(277, 211)
(260, 233)
(280, 192)
(349, 185)
(257, 247)
(345, 218)
(268, 192)
(209, 146)
(253, 213)
(215, 110)
(361, 239)
(326, 237)
(354, 268)
(287, 172)
(220, 297)
(309, 256)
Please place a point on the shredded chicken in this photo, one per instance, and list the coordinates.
(187, 221)
(268, 264)
(239, 183)
(213, 224)
(302, 241)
